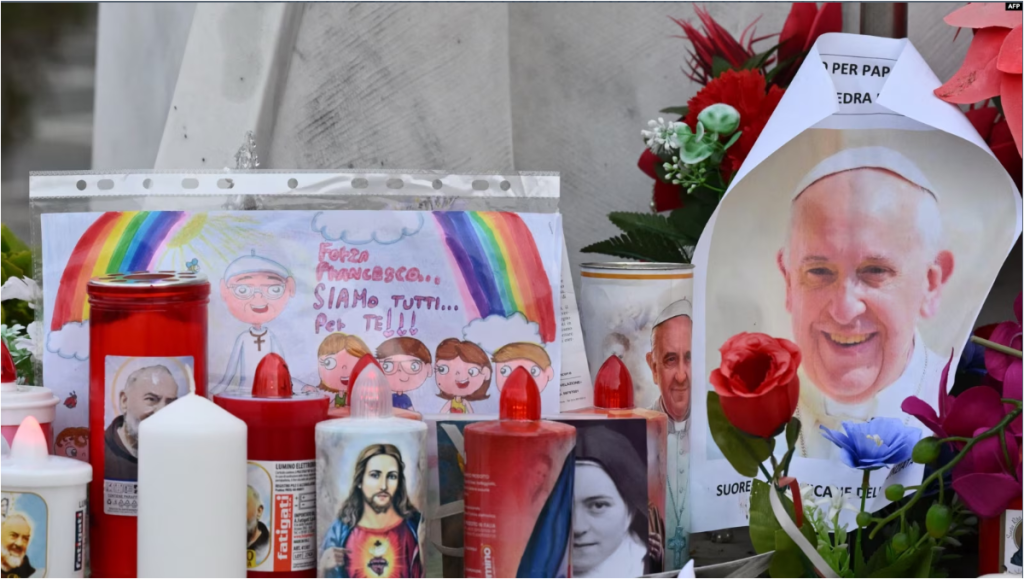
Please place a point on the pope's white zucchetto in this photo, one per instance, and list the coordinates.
(866, 158)
(674, 310)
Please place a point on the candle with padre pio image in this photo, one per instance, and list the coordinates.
(147, 332)
(280, 505)
(371, 487)
(621, 468)
(519, 489)
(192, 501)
(43, 507)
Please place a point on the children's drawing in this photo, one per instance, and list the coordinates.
(407, 365)
(327, 287)
(337, 357)
(256, 290)
(463, 375)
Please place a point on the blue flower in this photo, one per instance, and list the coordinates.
(870, 445)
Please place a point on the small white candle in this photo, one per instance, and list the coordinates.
(192, 492)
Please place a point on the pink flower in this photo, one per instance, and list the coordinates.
(976, 408)
(984, 480)
(1003, 367)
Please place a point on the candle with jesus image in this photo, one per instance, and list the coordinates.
(371, 487)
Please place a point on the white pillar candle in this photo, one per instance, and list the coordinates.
(192, 492)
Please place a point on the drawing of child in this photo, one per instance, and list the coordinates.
(73, 442)
(463, 374)
(407, 364)
(337, 356)
(523, 355)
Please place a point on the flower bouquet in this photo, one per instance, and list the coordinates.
(693, 159)
(22, 334)
(973, 460)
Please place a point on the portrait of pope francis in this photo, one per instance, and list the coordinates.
(864, 262)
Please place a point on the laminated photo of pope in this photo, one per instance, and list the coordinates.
(873, 259)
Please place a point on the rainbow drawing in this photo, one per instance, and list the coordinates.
(500, 269)
(117, 242)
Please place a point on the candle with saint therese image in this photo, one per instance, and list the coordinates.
(192, 492)
(613, 399)
(519, 489)
(371, 487)
(280, 497)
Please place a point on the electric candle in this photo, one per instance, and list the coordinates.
(371, 487)
(280, 505)
(346, 411)
(192, 491)
(18, 402)
(519, 489)
(603, 455)
(44, 508)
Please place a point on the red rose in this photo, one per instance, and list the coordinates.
(757, 382)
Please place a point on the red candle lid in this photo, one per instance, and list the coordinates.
(273, 380)
(361, 365)
(613, 387)
(9, 373)
(520, 398)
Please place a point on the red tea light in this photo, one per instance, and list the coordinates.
(346, 411)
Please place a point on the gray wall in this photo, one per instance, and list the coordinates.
(560, 87)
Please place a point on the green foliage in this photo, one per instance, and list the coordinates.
(744, 452)
(642, 247)
(15, 260)
(681, 111)
(22, 358)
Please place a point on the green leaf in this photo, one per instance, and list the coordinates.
(787, 560)
(732, 140)
(792, 432)
(744, 452)
(719, 65)
(9, 242)
(681, 111)
(692, 217)
(781, 66)
(923, 566)
(758, 60)
(762, 520)
(22, 259)
(644, 247)
(903, 565)
(10, 268)
(650, 223)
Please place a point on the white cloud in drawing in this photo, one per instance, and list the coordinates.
(70, 342)
(360, 228)
(495, 331)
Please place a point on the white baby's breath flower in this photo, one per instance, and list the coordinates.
(33, 341)
(20, 288)
(660, 135)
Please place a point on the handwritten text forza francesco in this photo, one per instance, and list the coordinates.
(338, 267)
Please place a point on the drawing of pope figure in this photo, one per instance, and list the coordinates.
(256, 290)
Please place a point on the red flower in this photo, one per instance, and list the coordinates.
(805, 23)
(757, 382)
(715, 41)
(745, 91)
(993, 65)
